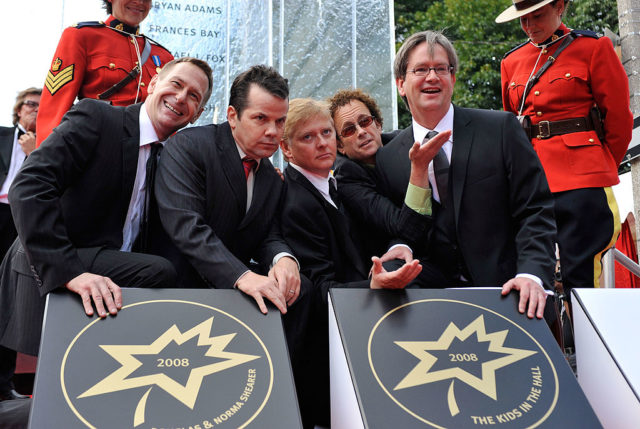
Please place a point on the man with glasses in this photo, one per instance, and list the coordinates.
(16, 143)
(493, 222)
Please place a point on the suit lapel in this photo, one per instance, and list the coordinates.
(463, 139)
(232, 166)
(407, 140)
(338, 220)
(130, 150)
(6, 147)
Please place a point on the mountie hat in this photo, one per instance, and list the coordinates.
(520, 8)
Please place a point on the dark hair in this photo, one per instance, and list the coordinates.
(107, 6)
(265, 77)
(345, 96)
(202, 65)
(20, 101)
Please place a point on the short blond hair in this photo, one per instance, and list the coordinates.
(300, 111)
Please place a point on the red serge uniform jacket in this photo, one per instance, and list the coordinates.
(588, 71)
(90, 58)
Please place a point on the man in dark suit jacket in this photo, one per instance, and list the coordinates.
(493, 212)
(358, 123)
(218, 195)
(316, 227)
(16, 143)
(79, 199)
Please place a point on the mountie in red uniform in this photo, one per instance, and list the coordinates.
(580, 166)
(588, 71)
(91, 58)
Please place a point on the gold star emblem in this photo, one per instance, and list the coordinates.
(186, 394)
(422, 374)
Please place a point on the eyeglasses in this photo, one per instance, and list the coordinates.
(32, 104)
(441, 70)
(363, 122)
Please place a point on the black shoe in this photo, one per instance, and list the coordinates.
(11, 394)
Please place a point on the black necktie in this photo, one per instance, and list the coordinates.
(333, 193)
(152, 164)
(440, 170)
(20, 133)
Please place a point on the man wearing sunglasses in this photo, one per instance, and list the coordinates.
(377, 220)
(493, 222)
(16, 143)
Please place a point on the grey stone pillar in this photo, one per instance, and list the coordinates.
(629, 23)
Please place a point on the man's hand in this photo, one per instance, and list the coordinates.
(27, 142)
(421, 155)
(398, 252)
(99, 289)
(531, 292)
(286, 275)
(398, 279)
(260, 287)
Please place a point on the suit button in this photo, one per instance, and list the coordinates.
(141, 83)
(591, 140)
(538, 113)
(536, 93)
(567, 75)
(112, 66)
(513, 84)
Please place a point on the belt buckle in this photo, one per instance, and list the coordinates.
(544, 130)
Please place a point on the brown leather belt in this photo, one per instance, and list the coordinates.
(546, 129)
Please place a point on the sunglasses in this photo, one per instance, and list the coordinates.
(32, 104)
(363, 122)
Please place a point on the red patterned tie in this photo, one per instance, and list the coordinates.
(248, 164)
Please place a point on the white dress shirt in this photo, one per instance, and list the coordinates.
(134, 213)
(420, 132)
(319, 182)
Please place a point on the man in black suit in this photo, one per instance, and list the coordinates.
(358, 124)
(493, 221)
(218, 195)
(16, 143)
(81, 203)
(321, 236)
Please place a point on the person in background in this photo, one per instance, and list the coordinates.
(16, 143)
(101, 60)
(580, 127)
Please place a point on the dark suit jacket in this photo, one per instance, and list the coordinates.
(202, 196)
(501, 200)
(6, 148)
(73, 192)
(320, 237)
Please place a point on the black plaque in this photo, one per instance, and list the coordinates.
(455, 359)
(171, 358)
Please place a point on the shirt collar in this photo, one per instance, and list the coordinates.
(243, 155)
(318, 182)
(555, 37)
(147, 132)
(121, 26)
(446, 123)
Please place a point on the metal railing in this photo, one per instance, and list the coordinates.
(609, 266)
